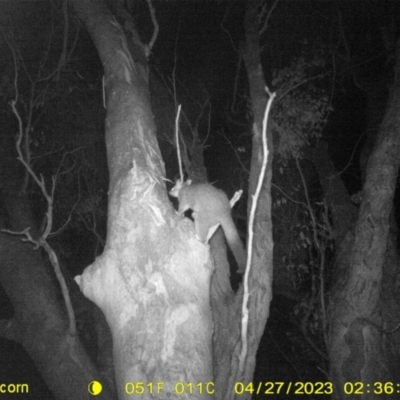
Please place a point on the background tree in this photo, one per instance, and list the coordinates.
(363, 299)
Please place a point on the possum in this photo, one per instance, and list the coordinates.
(210, 207)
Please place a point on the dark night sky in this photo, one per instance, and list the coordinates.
(206, 36)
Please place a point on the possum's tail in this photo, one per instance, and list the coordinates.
(234, 242)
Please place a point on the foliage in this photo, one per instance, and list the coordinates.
(304, 249)
(315, 237)
(301, 110)
(300, 115)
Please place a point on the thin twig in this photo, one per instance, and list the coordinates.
(178, 148)
(155, 23)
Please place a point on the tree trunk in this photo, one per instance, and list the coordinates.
(152, 280)
(260, 277)
(360, 348)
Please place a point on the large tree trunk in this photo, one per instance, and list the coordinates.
(361, 309)
(152, 280)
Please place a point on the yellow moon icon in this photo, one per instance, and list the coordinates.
(95, 388)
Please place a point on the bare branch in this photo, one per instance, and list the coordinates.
(41, 241)
(26, 233)
(265, 24)
(225, 30)
(155, 23)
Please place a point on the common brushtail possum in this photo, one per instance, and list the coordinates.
(210, 207)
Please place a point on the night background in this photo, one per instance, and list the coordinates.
(332, 63)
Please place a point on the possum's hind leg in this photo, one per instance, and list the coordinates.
(203, 224)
